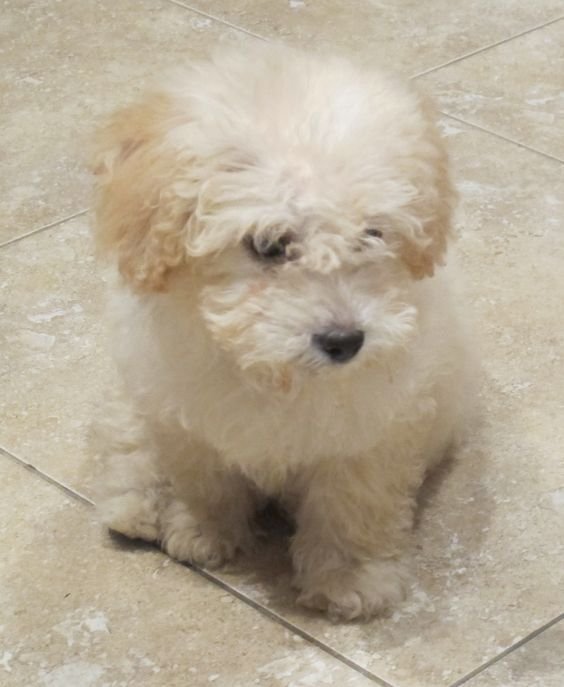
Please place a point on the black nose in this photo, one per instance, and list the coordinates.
(340, 345)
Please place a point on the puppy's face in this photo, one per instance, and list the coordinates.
(292, 200)
(296, 296)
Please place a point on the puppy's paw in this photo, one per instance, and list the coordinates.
(132, 513)
(362, 592)
(204, 544)
(192, 545)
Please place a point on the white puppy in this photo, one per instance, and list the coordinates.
(279, 323)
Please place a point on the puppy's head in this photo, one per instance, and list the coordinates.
(290, 199)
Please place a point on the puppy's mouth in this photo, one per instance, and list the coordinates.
(335, 352)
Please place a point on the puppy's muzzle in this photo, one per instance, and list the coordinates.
(339, 345)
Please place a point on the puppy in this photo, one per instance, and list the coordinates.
(280, 323)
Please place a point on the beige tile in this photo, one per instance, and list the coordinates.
(78, 610)
(491, 553)
(65, 63)
(407, 35)
(539, 663)
(53, 359)
(515, 89)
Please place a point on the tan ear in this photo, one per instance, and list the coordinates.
(425, 247)
(139, 217)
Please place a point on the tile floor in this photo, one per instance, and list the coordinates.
(80, 609)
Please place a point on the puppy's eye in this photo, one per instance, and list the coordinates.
(270, 250)
(375, 233)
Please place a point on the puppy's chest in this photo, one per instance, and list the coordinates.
(255, 429)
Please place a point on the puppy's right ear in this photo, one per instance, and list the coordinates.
(141, 214)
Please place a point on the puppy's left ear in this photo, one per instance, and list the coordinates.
(141, 206)
(424, 245)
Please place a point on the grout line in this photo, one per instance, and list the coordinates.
(454, 60)
(509, 650)
(43, 228)
(273, 615)
(225, 22)
(276, 617)
(487, 47)
(179, 3)
(213, 579)
(43, 475)
(491, 132)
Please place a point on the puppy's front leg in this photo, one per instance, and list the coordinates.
(353, 527)
(208, 519)
(163, 486)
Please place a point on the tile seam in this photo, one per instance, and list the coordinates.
(430, 70)
(276, 617)
(213, 579)
(45, 476)
(507, 139)
(494, 44)
(44, 227)
(219, 20)
(487, 47)
(507, 652)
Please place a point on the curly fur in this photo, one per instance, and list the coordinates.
(226, 398)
